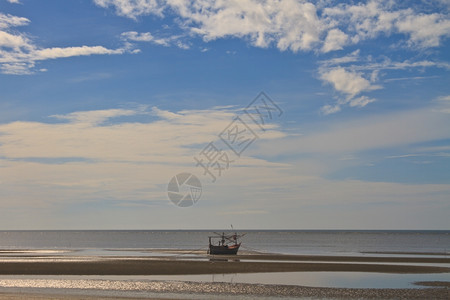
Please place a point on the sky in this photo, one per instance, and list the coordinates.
(291, 114)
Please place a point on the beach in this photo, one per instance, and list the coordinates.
(37, 276)
(191, 290)
(270, 265)
(219, 264)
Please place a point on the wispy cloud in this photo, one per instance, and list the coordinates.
(19, 54)
(352, 75)
(99, 116)
(91, 76)
(8, 20)
(100, 135)
(409, 78)
(442, 104)
(370, 133)
(174, 40)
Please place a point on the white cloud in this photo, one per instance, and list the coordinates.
(352, 102)
(22, 59)
(98, 116)
(182, 45)
(363, 20)
(387, 64)
(351, 75)
(15, 42)
(425, 30)
(369, 63)
(52, 53)
(335, 40)
(14, 1)
(369, 20)
(330, 109)
(349, 58)
(350, 84)
(133, 8)
(137, 37)
(7, 21)
(294, 25)
(18, 53)
(360, 101)
(287, 24)
(174, 40)
(304, 26)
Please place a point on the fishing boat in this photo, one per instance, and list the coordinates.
(224, 244)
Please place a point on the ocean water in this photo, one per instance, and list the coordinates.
(85, 244)
(330, 242)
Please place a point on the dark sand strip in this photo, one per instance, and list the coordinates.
(176, 267)
(434, 283)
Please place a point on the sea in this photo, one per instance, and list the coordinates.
(185, 244)
(323, 242)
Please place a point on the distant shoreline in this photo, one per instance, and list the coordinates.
(240, 230)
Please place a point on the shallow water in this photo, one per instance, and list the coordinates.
(313, 279)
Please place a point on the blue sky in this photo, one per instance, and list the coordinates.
(102, 102)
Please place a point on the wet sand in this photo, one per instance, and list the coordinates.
(246, 263)
(220, 265)
(178, 267)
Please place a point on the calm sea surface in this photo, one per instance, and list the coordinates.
(337, 242)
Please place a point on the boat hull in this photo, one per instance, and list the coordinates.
(224, 250)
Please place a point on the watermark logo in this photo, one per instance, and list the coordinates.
(216, 157)
(238, 136)
(184, 189)
(262, 109)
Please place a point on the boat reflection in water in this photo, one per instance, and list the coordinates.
(224, 259)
